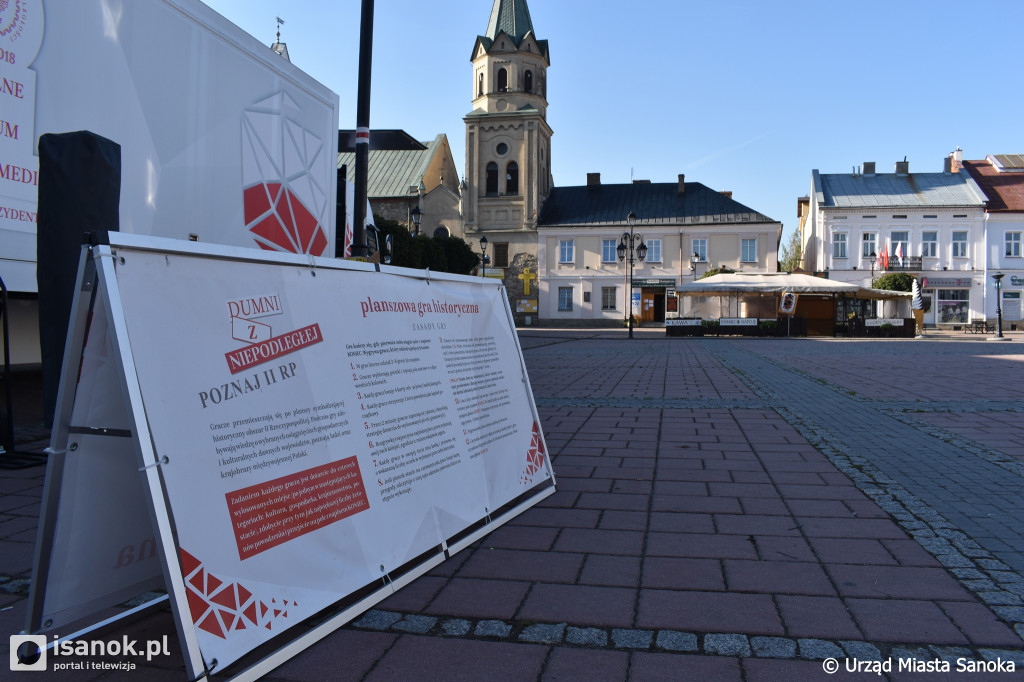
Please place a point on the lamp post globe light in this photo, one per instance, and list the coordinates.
(873, 256)
(634, 245)
(417, 218)
(998, 277)
(484, 258)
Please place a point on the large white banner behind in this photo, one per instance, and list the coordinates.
(220, 137)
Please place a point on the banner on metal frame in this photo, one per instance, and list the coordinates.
(289, 434)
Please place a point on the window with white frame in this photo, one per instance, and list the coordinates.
(868, 245)
(748, 250)
(608, 253)
(929, 244)
(700, 247)
(959, 245)
(565, 298)
(1012, 244)
(608, 297)
(900, 244)
(653, 250)
(565, 251)
(839, 245)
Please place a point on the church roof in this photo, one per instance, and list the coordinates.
(392, 172)
(512, 17)
(653, 204)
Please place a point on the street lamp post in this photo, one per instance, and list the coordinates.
(873, 256)
(637, 251)
(417, 218)
(694, 259)
(484, 258)
(998, 277)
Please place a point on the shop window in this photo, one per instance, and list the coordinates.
(954, 305)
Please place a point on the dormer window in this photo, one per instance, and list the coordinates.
(502, 80)
(528, 81)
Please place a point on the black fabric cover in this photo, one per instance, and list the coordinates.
(79, 192)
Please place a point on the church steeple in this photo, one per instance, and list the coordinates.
(512, 17)
(508, 140)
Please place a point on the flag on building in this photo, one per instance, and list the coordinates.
(899, 252)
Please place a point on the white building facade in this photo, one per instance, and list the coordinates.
(864, 224)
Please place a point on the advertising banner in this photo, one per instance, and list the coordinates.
(216, 130)
(318, 427)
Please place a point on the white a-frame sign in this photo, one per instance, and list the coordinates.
(278, 442)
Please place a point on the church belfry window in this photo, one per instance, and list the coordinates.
(528, 81)
(512, 178)
(492, 179)
(480, 85)
(502, 80)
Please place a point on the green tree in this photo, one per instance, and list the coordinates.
(895, 281)
(792, 253)
(716, 271)
(440, 254)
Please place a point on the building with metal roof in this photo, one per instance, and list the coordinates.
(686, 228)
(1001, 178)
(405, 174)
(931, 225)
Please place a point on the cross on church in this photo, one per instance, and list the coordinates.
(526, 277)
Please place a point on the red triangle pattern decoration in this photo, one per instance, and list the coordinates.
(534, 456)
(221, 608)
(277, 216)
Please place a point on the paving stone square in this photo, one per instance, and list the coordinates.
(727, 509)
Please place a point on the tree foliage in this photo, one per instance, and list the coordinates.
(440, 254)
(792, 253)
(895, 281)
(716, 271)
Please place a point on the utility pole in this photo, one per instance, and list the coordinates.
(359, 249)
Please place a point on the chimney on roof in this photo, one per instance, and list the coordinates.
(727, 193)
(869, 168)
(593, 179)
(953, 162)
(682, 184)
(903, 167)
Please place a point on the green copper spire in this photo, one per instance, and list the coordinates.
(512, 17)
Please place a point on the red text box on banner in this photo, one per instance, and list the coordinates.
(272, 513)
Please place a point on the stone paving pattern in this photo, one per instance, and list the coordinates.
(727, 509)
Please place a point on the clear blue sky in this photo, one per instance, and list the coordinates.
(744, 95)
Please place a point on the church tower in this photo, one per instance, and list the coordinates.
(508, 141)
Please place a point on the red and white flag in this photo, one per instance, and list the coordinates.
(899, 252)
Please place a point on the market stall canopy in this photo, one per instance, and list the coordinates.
(780, 282)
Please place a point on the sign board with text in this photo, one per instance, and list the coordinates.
(310, 434)
(219, 135)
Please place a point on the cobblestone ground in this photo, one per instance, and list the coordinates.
(727, 509)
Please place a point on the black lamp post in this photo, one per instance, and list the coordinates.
(484, 258)
(873, 256)
(694, 259)
(417, 218)
(998, 277)
(628, 242)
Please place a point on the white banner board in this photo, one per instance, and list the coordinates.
(318, 427)
(219, 136)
